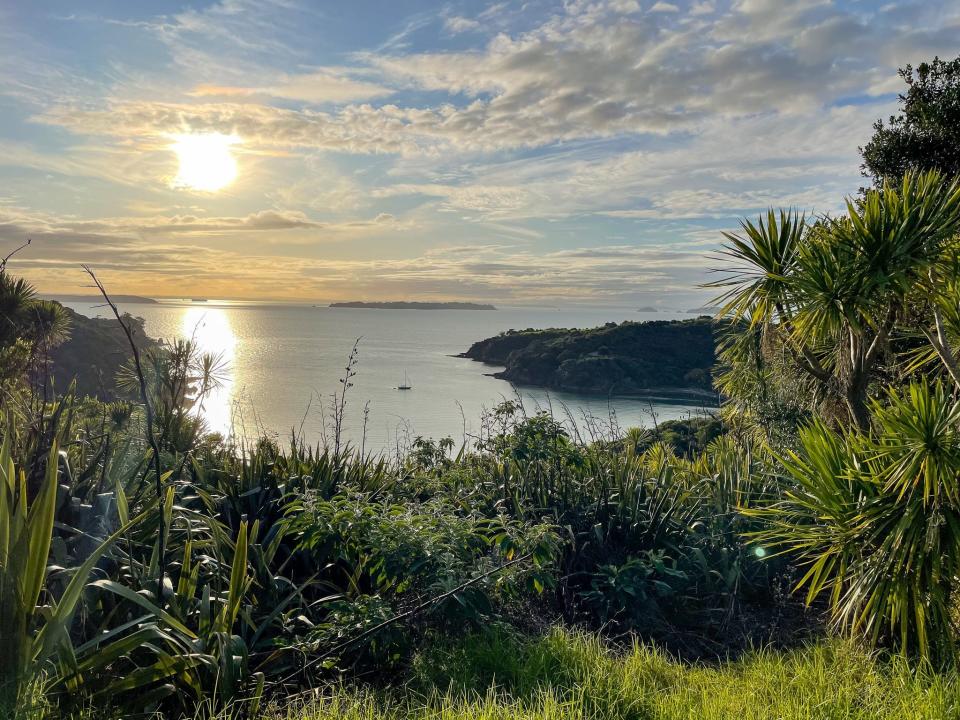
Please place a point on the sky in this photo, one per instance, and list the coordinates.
(524, 153)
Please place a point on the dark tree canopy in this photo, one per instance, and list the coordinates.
(925, 135)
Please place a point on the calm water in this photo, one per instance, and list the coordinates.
(282, 359)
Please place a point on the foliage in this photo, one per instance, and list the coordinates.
(844, 334)
(25, 533)
(827, 299)
(688, 438)
(94, 354)
(385, 555)
(625, 358)
(33, 636)
(875, 517)
(29, 329)
(925, 135)
(623, 511)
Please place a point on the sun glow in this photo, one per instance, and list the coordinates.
(211, 331)
(206, 162)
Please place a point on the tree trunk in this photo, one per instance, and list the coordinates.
(856, 397)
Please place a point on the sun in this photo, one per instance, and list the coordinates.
(206, 162)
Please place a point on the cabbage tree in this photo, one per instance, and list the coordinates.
(833, 293)
(874, 518)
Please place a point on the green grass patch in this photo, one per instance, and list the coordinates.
(572, 676)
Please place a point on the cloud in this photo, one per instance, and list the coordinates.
(808, 161)
(18, 223)
(620, 274)
(260, 221)
(323, 190)
(588, 73)
(319, 87)
(264, 220)
(635, 126)
(356, 128)
(485, 199)
(456, 24)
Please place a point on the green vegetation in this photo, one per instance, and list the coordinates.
(925, 135)
(570, 676)
(628, 358)
(852, 327)
(48, 346)
(687, 438)
(93, 355)
(149, 567)
(184, 569)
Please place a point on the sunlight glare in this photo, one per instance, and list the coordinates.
(212, 333)
(206, 162)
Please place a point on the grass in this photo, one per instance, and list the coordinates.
(575, 676)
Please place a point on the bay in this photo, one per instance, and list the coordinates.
(284, 362)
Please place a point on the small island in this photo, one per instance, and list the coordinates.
(413, 305)
(661, 357)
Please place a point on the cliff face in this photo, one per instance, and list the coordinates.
(94, 354)
(628, 358)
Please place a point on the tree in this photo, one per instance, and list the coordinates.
(831, 295)
(875, 520)
(29, 327)
(925, 135)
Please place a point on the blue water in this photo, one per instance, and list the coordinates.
(283, 363)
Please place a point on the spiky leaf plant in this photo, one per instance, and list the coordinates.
(875, 518)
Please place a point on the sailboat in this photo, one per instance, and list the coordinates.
(405, 385)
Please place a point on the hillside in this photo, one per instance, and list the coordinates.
(98, 300)
(629, 358)
(93, 355)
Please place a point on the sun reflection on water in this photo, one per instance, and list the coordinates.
(211, 332)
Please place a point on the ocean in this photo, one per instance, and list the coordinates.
(283, 363)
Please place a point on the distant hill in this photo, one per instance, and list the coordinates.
(98, 300)
(629, 358)
(94, 354)
(414, 305)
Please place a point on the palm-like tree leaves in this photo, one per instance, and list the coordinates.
(875, 517)
(840, 288)
(764, 257)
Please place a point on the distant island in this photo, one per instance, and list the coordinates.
(647, 308)
(414, 305)
(705, 310)
(98, 299)
(632, 358)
